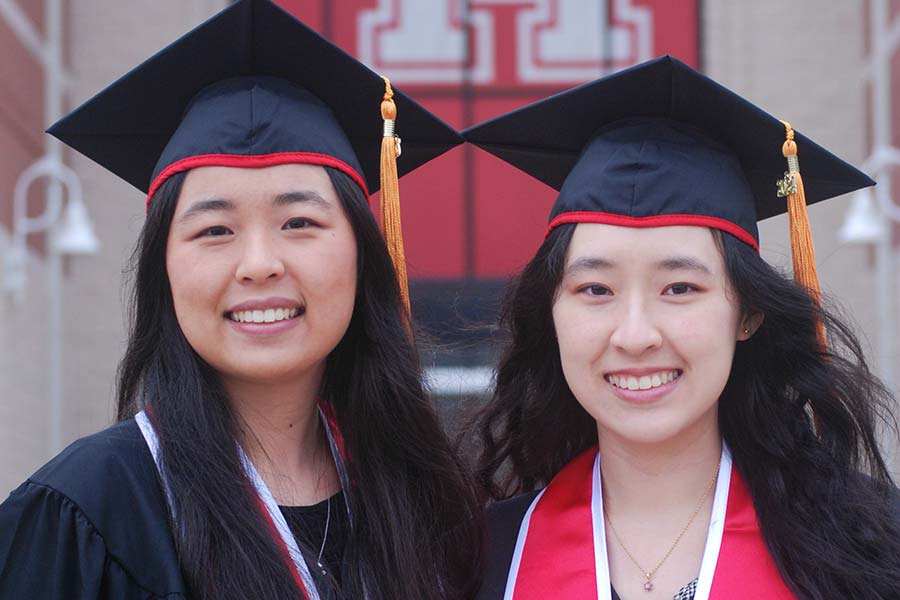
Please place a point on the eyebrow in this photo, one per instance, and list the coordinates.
(202, 206)
(285, 199)
(674, 263)
(683, 263)
(309, 196)
(588, 263)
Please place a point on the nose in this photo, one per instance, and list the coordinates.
(637, 331)
(260, 259)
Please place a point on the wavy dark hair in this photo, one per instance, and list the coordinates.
(824, 498)
(414, 528)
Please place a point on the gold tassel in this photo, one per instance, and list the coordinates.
(390, 193)
(802, 251)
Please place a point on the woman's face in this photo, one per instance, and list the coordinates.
(647, 325)
(262, 265)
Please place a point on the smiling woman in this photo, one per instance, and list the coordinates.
(274, 241)
(651, 294)
(669, 420)
(274, 437)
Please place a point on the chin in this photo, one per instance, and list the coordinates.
(658, 429)
(639, 435)
(262, 370)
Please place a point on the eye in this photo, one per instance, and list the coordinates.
(298, 223)
(214, 231)
(680, 289)
(594, 290)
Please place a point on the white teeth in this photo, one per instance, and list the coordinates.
(270, 315)
(644, 382)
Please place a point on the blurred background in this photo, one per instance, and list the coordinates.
(67, 226)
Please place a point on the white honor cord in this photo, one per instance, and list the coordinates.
(716, 528)
(520, 546)
(262, 490)
(601, 563)
(143, 422)
(604, 587)
(280, 524)
(339, 464)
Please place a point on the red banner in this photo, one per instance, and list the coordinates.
(468, 215)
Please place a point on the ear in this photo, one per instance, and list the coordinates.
(748, 326)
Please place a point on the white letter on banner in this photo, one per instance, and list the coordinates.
(574, 40)
(412, 41)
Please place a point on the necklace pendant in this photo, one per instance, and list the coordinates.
(648, 586)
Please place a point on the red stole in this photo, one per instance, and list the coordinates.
(561, 550)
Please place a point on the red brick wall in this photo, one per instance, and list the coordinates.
(21, 111)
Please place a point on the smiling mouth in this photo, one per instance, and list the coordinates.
(644, 382)
(269, 315)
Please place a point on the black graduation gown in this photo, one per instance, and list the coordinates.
(503, 520)
(93, 524)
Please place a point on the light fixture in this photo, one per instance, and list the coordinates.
(75, 233)
(864, 223)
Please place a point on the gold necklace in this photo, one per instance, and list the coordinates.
(648, 575)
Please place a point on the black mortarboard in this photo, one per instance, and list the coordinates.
(660, 144)
(251, 86)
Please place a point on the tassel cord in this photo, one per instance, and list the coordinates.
(390, 196)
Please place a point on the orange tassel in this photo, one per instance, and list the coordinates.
(802, 250)
(390, 193)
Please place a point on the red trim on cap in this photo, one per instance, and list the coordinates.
(655, 221)
(255, 162)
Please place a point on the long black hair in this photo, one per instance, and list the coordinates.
(801, 423)
(414, 528)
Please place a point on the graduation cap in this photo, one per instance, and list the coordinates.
(255, 87)
(661, 144)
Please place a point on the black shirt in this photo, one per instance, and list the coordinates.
(308, 524)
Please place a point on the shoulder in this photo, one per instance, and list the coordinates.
(106, 475)
(503, 521)
(894, 499)
(103, 490)
(91, 465)
(865, 490)
(506, 515)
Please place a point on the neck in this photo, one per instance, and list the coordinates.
(282, 434)
(641, 477)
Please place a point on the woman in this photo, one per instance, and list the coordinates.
(274, 439)
(666, 408)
